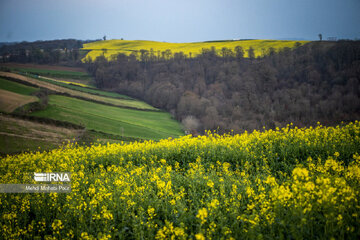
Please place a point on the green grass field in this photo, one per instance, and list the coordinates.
(86, 89)
(16, 87)
(55, 73)
(113, 47)
(104, 124)
(113, 120)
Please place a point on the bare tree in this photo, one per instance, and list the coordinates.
(191, 124)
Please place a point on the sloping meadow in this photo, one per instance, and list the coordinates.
(285, 183)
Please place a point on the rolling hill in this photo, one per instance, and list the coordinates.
(98, 116)
(113, 47)
(14, 95)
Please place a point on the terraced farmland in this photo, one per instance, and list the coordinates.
(129, 103)
(105, 116)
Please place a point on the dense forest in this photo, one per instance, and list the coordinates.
(220, 89)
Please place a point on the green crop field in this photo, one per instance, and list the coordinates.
(55, 73)
(113, 120)
(77, 76)
(17, 87)
(113, 47)
(85, 89)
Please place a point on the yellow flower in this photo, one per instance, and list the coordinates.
(214, 203)
(199, 236)
(57, 225)
(300, 174)
(210, 183)
(202, 215)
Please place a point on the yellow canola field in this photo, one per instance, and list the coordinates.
(114, 47)
(284, 183)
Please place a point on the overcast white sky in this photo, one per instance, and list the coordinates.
(178, 21)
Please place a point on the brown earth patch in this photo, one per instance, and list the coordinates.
(33, 130)
(9, 101)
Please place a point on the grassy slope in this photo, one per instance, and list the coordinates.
(17, 87)
(83, 85)
(139, 124)
(55, 73)
(85, 89)
(111, 122)
(9, 101)
(128, 46)
(14, 95)
(71, 74)
(109, 100)
(17, 135)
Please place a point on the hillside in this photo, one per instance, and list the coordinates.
(110, 119)
(298, 183)
(318, 81)
(114, 47)
(48, 105)
(14, 95)
(53, 85)
(10, 101)
(18, 135)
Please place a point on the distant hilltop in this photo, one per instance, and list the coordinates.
(110, 48)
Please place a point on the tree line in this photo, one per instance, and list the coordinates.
(44, 52)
